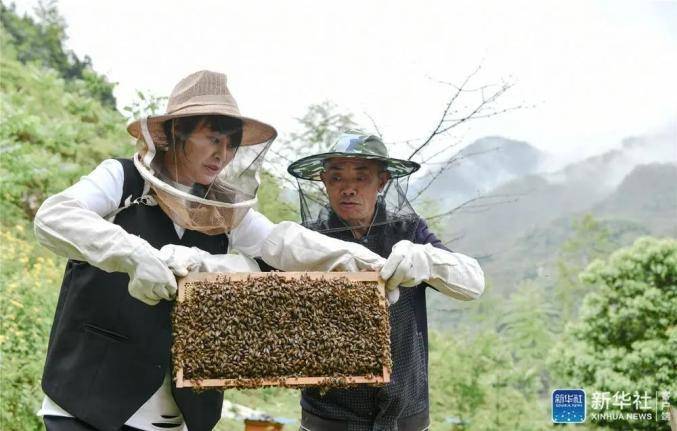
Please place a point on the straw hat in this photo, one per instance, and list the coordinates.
(203, 93)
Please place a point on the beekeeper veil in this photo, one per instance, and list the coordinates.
(392, 211)
(202, 157)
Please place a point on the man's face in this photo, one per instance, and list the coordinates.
(353, 185)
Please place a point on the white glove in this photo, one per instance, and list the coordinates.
(452, 274)
(67, 227)
(292, 247)
(150, 280)
(393, 295)
(182, 260)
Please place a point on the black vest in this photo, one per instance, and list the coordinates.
(108, 352)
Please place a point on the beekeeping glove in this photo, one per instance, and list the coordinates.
(452, 274)
(150, 280)
(292, 247)
(182, 260)
(67, 227)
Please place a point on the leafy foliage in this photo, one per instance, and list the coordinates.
(28, 293)
(486, 376)
(319, 127)
(50, 135)
(41, 42)
(145, 104)
(272, 204)
(626, 339)
(589, 240)
(316, 131)
(53, 129)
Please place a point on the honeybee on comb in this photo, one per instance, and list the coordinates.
(281, 329)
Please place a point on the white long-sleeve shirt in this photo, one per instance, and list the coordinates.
(73, 224)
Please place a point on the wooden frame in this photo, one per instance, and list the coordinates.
(184, 287)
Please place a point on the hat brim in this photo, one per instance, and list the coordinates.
(310, 168)
(253, 131)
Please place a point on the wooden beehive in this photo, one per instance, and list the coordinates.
(373, 318)
(259, 425)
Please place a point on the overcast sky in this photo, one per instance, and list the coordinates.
(594, 71)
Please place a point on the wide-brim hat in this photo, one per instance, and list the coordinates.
(203, 93)
(355, 145)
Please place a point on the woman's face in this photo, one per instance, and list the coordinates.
(204, 154)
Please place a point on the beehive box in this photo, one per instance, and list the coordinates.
(246, 330)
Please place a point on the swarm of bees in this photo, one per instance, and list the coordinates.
(271, 328)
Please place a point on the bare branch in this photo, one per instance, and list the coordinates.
(494, 113)
(454, 239)
(458, 157)
(452, 145)
(432, 180)
(485, 101)
(446, 166)
(436, 130)
(507, 198)
(374, 125)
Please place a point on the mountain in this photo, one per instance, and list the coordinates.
(649, 193)
(518, 233)
(479, 168)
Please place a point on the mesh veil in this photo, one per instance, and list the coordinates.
(393, 214)
(212, 208)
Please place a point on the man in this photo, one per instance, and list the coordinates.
(366, 205)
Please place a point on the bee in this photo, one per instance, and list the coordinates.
(267, 328)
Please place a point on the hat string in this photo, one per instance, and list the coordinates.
(150, 154)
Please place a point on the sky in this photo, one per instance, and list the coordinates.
(587, 73)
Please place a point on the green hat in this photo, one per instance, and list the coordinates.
(352, 144)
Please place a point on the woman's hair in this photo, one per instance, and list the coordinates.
(179, 129)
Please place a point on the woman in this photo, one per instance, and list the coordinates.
(189, 191)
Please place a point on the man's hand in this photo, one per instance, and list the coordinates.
(407, 266)
(393, 295)
(452, 274)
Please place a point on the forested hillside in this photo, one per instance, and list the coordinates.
(55, 126)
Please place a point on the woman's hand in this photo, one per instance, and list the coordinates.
(150, 279)
(182, 260)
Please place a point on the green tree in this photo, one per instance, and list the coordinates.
(528, 329)
(145, 104)
(53, 129)
(590, 239)
(272, 202)
(476, 378)
(314, 134)
(49, 135)
(28, 293)
(319, 127)
(316, 131)
(626, 339)
(42, 42)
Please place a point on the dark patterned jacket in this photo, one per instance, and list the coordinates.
(405, 398)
